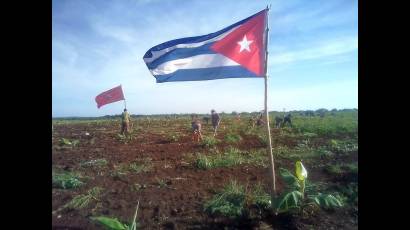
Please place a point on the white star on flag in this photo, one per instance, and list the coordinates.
(245, 44)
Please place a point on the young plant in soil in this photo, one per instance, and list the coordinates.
(67, 143)
(234, 201)
(96, 162)
(229, 203)
(66, 180)
(294, 199)
(232, 138)
(144, 166)
(209, 142)
(82, 201)
(114, 224)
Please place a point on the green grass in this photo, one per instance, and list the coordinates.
(234, 201)
(209, 142)
(342, 147)
(352, 168)
(260, 198)
(301, 152)
(162, 183)
(334, 169)
(94, 163)
(68, 143)
(83, 200)
(350, 191)
(173, 137)
(230, 202)
(119, 171)
(144, 165)
(125, 138)
(343, 168)
(230, 157)
(66, 180)
(345, 123)
(232, 138)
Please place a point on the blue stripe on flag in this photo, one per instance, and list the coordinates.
(195, 39)
(181, 53)
(206, 74)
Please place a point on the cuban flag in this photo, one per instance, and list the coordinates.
(237, 51)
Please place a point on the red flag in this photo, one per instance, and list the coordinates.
(110, 96)
(245, 44)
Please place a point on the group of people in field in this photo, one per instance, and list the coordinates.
(215, 119)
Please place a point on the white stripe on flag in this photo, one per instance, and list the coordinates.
(195, 62)
(159, 53)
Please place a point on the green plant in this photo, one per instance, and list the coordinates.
(67, 142)
(352, 168)
(234, 201)
(209, 142)
(342, 147)
(324, 153)
(309, 135)
(66, 180)
(351, 192)
(230, 157)
(119, 171)
(289, 201)
(95, 162)
(334, 169)
(161, 183)
(141, 166)
(327, 201)
(229, 202)
(138, 187)
(114, 224)
(294, 199)
(339, 169)
(173, 137)
(82, 201)
(263, 139)
(232, 138)
(125, 138)
(203, 162)
(260, 198)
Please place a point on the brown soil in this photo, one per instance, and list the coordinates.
(179, 204)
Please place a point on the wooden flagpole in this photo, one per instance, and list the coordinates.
(272, 164)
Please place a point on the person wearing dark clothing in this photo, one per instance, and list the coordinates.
(215, 119)
(287, 119)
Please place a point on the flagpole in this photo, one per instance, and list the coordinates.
(125, 102)
(273, 192)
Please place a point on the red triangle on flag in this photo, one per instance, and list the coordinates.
(245, 45)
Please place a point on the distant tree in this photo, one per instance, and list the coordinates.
(321, 112)
(309, 113)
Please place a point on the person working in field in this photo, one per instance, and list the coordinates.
(215, 120)
(260, 120)
(125, 125)
(196, 129)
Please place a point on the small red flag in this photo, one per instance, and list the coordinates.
(110, 96)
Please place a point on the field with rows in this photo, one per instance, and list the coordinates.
(100, 176)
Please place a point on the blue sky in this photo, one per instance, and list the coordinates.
(97, 45)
